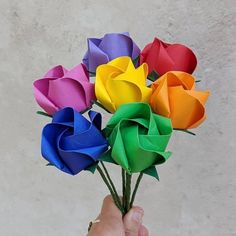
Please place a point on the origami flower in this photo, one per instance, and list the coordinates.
(100, 51)
(71, 142)
(163, 57)
(138, 137)
(174, 96)
(119, 82)
(61, 88)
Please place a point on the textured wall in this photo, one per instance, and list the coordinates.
(196, 194)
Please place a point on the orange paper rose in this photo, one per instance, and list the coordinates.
(174, 96)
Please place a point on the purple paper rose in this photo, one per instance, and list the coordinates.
(101, 51)
(61, 88)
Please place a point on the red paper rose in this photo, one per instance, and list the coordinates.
(163, 57)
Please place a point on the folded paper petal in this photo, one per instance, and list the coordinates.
(67, 93)
(119, 82)
(71, 142)
(174, 96)
(138, 137)
(111, 46)
(61, 88)
(40, 93)
(163, 57)
(94, 56)
(56, 72)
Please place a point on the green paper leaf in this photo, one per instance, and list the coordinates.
(152, 172)
(106, 156)
(135, 61)
(43, 114)
(198, 81)
(92, 168)
(49, 164)
(153, 76)
(185, 131)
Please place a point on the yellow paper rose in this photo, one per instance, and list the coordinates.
(119, 82)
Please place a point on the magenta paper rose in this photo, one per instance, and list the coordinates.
(61, 88)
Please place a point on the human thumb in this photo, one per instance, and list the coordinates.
(132, 221)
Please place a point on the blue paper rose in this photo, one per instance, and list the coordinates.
(113, 45)
(71, 142)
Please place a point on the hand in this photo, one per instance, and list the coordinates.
(111, 222)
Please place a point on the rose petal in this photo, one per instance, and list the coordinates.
(184, 59)
(75, 161)
(89, 91)
(40, 88)
(96, 56)
(49, 146)
(160, 98)
(116, 45)
(56, 72)
(68, 117)
(67, 92)
(78, 73)
(96, 119)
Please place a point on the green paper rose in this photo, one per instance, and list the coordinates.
(138, 137)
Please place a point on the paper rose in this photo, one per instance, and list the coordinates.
(174, 96)
(138, 137)
(61, 88)
(119, 82)
(71, 142)
(100, 51)
(163, 57)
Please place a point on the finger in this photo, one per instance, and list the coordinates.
(110, 220)
(109, 209)
(143, 231)
(132, 221)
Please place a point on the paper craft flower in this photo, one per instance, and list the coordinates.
(100, 51)
(61, 88)
(174, 96)
(163, 57)
(138, 137)
(71, 142)
(119, 82)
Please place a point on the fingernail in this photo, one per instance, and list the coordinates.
(137, 215)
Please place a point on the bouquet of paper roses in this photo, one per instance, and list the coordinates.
(150, 93)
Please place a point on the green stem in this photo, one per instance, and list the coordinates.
(123, 188)
(111, 183)
(128, 191)
(135, 189)
(109, 187)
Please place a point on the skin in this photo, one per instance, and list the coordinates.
(112, 222)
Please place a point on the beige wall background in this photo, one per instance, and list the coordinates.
(196, 194)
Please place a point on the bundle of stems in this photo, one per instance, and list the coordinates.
(125, 202)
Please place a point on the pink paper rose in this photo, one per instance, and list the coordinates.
(61, 88)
